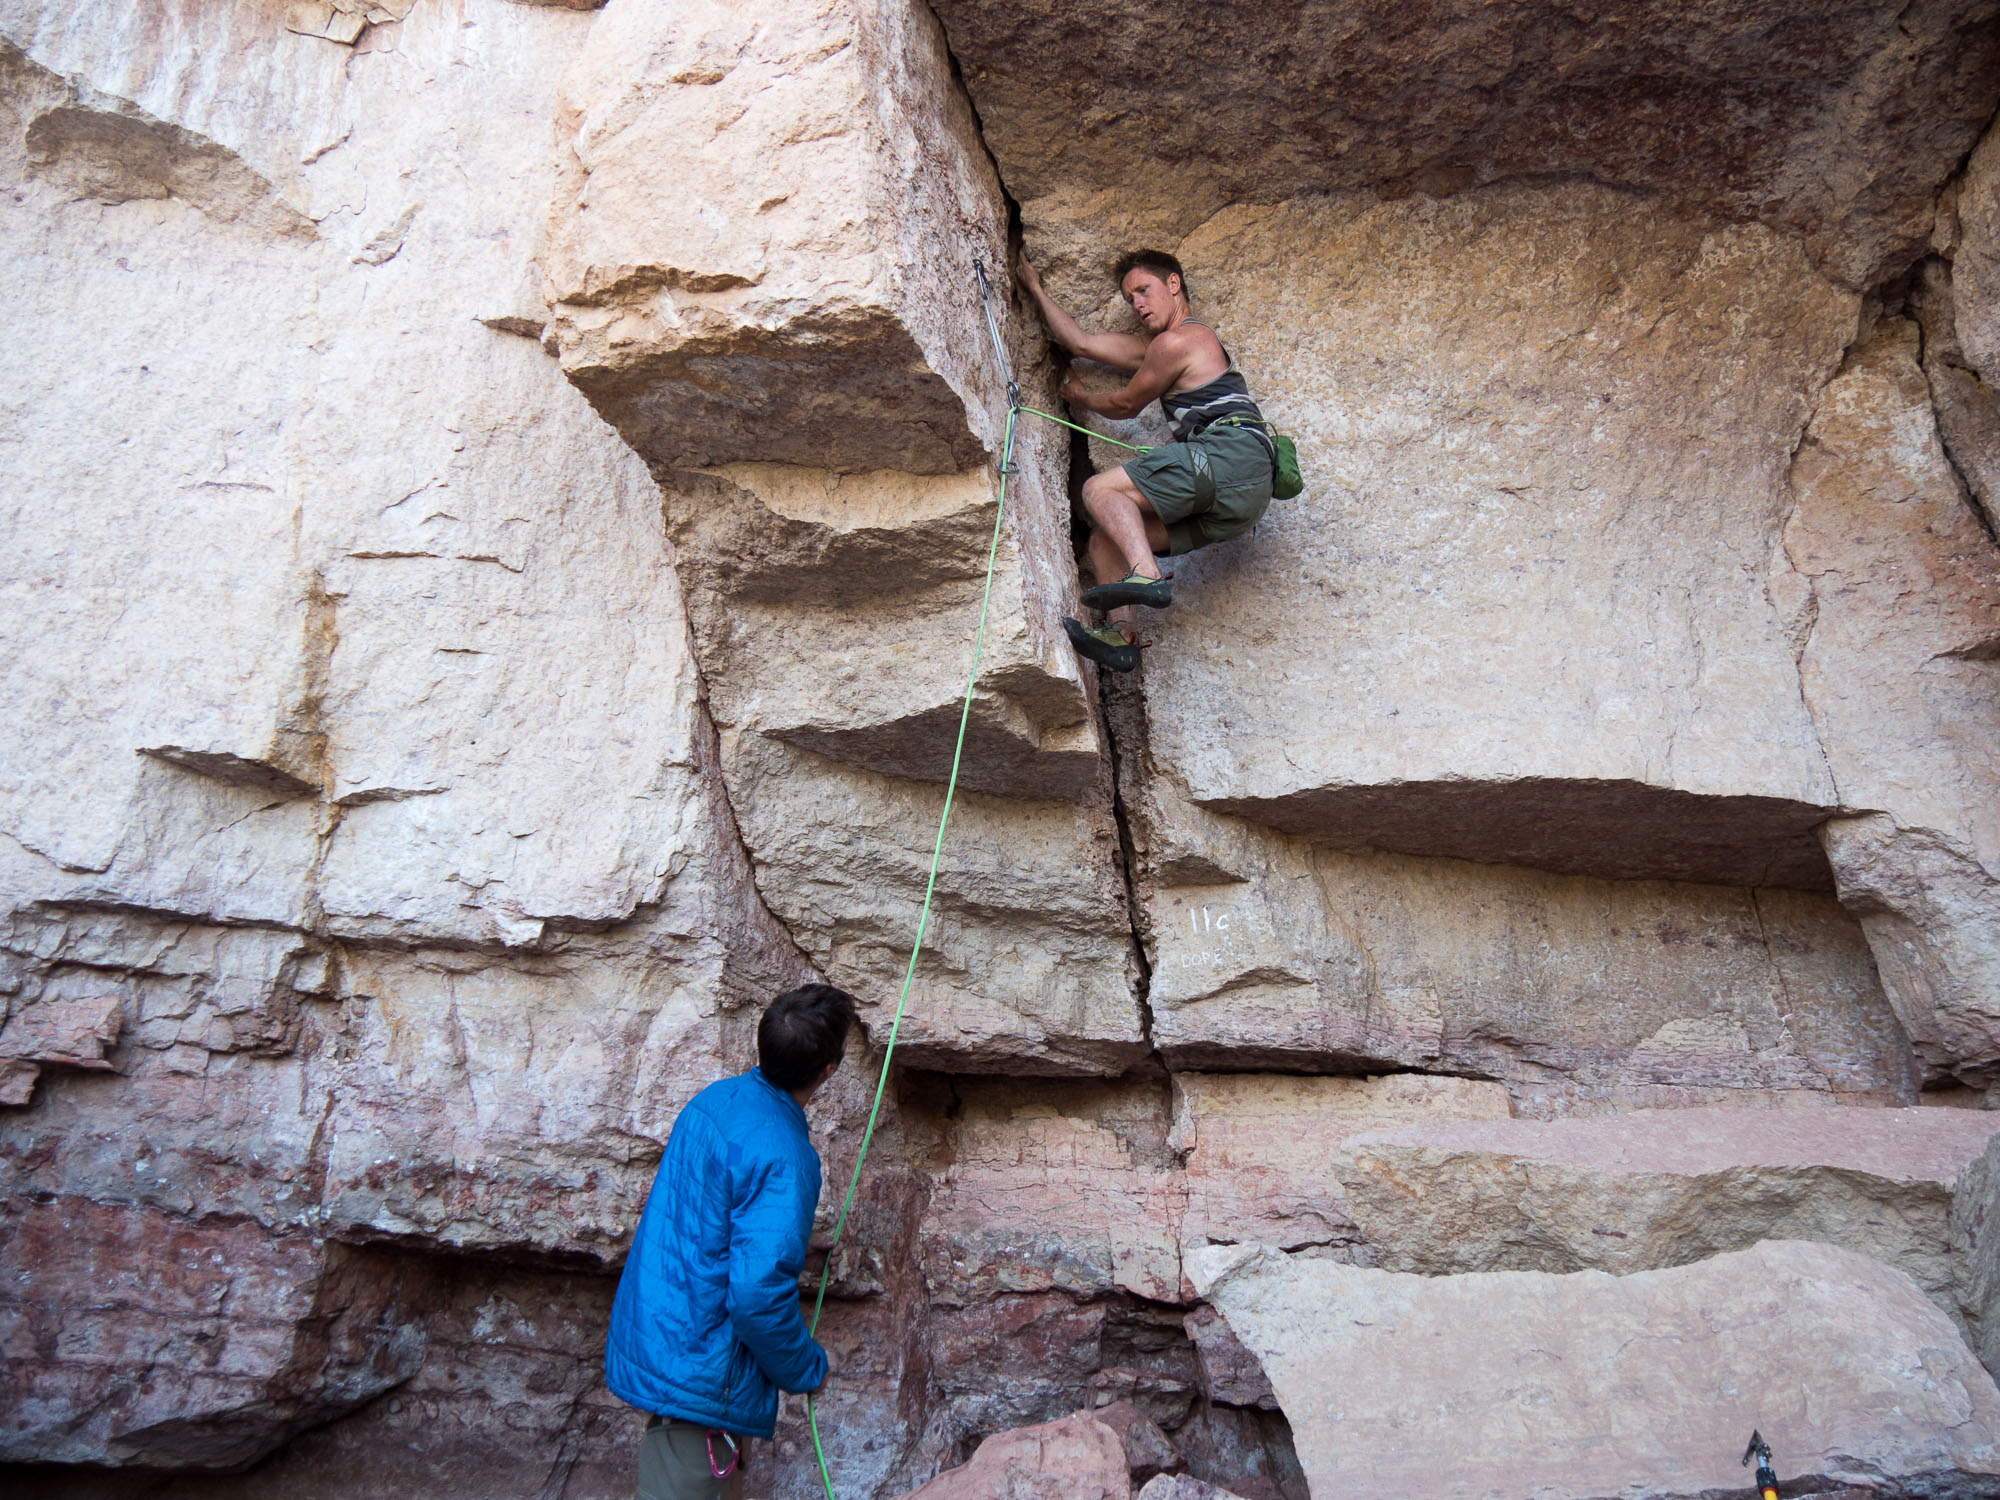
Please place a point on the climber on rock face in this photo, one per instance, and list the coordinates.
(1210, 485)
(706, 1327)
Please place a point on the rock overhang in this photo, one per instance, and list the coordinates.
(1839, 122)
(836, 612)
(853, 392)
(1611, 829)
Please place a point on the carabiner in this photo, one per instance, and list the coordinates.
(708, 1438)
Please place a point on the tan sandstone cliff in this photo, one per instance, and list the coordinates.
(497, 503)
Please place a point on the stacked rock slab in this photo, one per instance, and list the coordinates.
(1900, 585)
(1577, 993)
(1536, 607)
(1523, 1383)
(1075, 1188)
(796, 342)
(1346, 608)
(1660, 1188)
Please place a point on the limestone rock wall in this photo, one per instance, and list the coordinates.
(500, 499)
(1538, 617)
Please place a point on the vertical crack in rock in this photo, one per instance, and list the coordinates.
(1121, 697)
(1965, 410)
(305, 731)
(1128, 854)
(1965, 484)
(708, 766)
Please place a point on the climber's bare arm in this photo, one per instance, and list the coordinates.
(1122, 351)
(1166, 360)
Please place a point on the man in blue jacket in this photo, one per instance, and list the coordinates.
(706, 1329)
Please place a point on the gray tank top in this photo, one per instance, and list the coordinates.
(1228, 395)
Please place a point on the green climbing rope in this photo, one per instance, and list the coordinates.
(1014, 409)
(1101, 437)
(923, 922)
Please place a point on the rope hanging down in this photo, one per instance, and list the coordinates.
(1014, 409)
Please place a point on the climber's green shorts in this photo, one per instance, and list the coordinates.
(1203, 507)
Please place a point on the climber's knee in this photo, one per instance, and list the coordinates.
(1096, 491)
(1112, 487)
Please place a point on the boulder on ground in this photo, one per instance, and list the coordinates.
(1074, 1458)
(1523, 1384)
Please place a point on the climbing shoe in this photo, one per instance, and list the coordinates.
(1133, 588)
(1106, 647)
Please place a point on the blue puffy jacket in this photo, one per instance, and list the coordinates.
(706, 1326)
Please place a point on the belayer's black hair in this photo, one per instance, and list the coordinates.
(1158, 262)
(803, 1030)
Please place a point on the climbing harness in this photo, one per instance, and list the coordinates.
(1014, 409)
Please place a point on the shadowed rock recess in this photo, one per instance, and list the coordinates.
(499, 499)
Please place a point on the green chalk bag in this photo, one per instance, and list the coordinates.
(1286, 481)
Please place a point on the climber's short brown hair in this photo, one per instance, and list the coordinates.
(802, 1033)
(1158, 262)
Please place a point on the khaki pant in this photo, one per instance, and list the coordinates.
(673, 1463)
